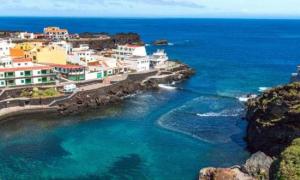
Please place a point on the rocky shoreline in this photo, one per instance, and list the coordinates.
(272, 134)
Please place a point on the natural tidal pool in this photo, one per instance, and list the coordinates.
(165, 134)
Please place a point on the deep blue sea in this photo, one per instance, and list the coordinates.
(165, 134)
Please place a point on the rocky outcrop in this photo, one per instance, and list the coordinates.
(274, 119)
(84, 100)
(273, 128)
(161, 42)
(257, 167)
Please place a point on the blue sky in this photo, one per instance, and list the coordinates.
(153, 8)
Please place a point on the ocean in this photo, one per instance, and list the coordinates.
(167, 134)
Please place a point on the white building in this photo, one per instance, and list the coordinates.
(124, 51)
(5, 46)
(135, 56)
(81, 55)
(56, 33)
(25, 35)
(23, 72)
(63, 44)
(5, 61)
(158, 58)
(138, 63)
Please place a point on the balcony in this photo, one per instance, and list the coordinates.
(28, 73)
(9, 75)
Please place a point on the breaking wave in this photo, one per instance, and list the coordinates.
(225, 113)
(262, 89)
(166, 86)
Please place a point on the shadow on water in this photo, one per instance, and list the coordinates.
(16, 155)
(42, 122)
(125, 168)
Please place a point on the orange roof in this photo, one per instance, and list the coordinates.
(55, 29)
(16, 60)
(25, 68)
(96, 63)
(15, 52)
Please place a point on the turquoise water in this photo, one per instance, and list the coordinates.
(165, 134)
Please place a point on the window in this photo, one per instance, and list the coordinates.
(19, 64)
(21, 73)
(22, 81)
(2, 83)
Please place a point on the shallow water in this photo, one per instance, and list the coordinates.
(165, 134)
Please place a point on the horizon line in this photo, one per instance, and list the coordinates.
(162, 17)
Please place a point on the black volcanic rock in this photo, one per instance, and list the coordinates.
(274, 119)
(161, 42)
(120, 38)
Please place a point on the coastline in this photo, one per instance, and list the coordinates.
(272, 137)
(96, 95)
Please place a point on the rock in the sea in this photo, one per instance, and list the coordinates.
(161, 42)
(256, 167)
(233, 173)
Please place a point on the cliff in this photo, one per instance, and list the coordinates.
(274, 119)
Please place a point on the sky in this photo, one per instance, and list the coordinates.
(153, 8)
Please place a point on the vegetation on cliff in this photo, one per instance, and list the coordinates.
(274, 119)
(289, 162)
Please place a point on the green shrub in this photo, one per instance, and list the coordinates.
(289, 162)
(36, 93)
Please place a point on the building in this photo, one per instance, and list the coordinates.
(81, 55)
(158, 58)
(27, 46)
(135, 56)
(50, 54)
(25, 35)
(55, 33)
(124, 51)
(63, 44)
(16, 53)
(70, 72)
(5, 45)
(23, 71)
(138, 63)
(5, 61)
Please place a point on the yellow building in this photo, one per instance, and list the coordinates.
(27, 46)
(48, 55)
(16, 53)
